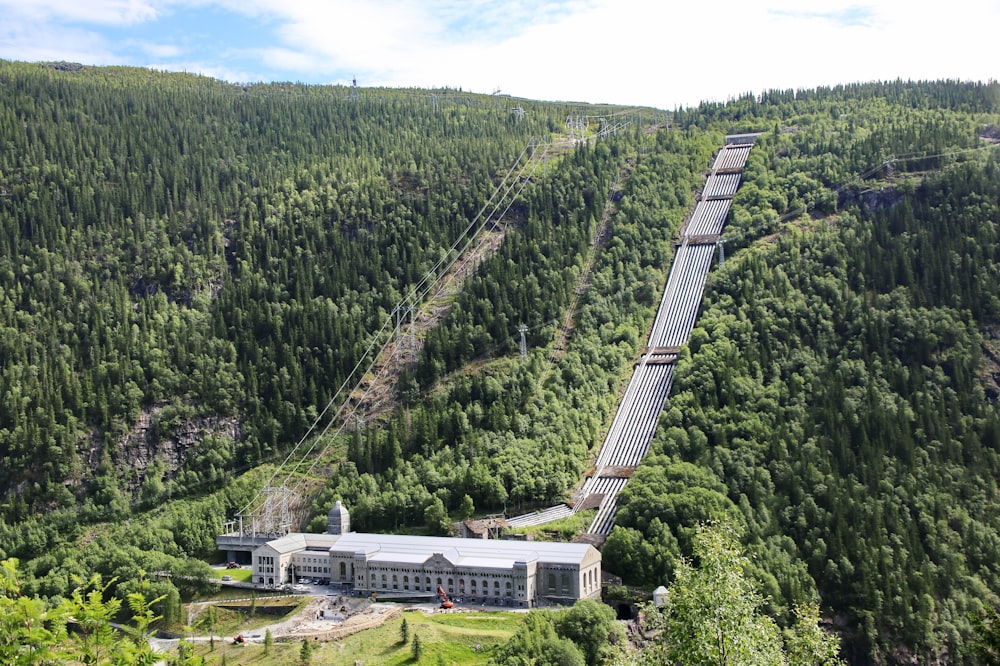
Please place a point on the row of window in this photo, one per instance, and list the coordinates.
(450, 586)
(560, 585)
(564, 587)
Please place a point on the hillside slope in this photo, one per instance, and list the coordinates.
(839, 399)
(189, 269)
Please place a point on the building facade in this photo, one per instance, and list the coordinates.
(496, 572)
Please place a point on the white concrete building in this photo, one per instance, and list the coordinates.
(498, 572)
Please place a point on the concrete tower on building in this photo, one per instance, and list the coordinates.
(338, 521)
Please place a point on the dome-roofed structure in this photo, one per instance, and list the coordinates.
(338, 521)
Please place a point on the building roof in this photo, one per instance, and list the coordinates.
(478, 553)
(297, 541)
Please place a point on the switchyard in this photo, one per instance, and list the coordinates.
(631, 432)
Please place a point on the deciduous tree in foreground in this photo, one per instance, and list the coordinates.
(713, 616)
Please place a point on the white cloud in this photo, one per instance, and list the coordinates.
(621, 51)
(158, 50)
(209, 69)
(106, 12)
(291, 60)
(49, 42)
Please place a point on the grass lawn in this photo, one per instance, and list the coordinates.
(241, 575)
(230, 621)
(445, 638)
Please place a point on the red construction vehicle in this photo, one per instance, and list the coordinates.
(445, 601)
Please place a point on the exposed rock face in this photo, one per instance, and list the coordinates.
(147, 443)
(874, 200)
(64, 66)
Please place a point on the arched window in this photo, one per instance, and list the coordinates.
(565, 583)
(343, 570)
(552, 582)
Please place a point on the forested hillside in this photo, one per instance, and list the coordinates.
(839, 399)
(215, 250)
(189, 269)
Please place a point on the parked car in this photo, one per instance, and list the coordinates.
(227, 578)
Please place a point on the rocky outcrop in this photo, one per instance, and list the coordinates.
(150, 441)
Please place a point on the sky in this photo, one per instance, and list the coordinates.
(661, 53)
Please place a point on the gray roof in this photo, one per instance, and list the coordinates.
(478, 553)
(296, 541)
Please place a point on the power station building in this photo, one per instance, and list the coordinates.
(490, 571)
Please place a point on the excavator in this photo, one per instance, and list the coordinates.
(445, 601)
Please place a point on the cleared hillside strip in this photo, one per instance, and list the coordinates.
(632, 429)
(271, 512)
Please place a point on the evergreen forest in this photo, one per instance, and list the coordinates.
(190, 269)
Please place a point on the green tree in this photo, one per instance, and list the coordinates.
(186, 656)
(986, 642)
(713, 616)
(467, 508)
(30, 632)
(138, 651)
(209, 620)
(416, 649)
(807, 644)
(592, 627)
(436, 517)
(268, 641)
(536, 643)
(404, 632)
(305, 653)
(96, 639)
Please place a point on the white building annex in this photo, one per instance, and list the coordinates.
(497, 572)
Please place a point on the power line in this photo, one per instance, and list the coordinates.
(514, 182)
